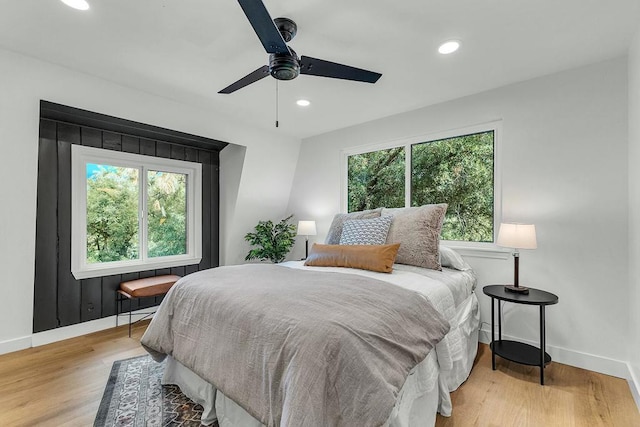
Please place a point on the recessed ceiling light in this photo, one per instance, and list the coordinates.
(449, 47)
(77, 4)
(303, 102)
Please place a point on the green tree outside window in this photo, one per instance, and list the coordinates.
(113, 213)
(458, 171)
(376, 179)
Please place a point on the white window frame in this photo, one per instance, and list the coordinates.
(476, 249)
(80, 157)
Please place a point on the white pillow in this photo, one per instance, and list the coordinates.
(452, 259)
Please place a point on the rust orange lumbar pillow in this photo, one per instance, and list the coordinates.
(365, 257)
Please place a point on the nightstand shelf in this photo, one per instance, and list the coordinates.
(519, 352)
(515, 351)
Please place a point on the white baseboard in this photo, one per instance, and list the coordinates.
(59, 334)
(66, 332)
(591, 362)
(634, 385)
(15, 344)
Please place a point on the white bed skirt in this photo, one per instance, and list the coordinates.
(425, 393)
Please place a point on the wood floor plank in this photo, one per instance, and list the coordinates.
(512, 396)
(61, 384)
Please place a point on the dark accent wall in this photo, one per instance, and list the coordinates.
(60, 299)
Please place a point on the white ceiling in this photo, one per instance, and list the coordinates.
(187, 50)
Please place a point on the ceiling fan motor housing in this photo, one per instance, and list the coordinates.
(284, 62)
(283, 66)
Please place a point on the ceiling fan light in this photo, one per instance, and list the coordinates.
(303, 102)
(449, 47)
(77, 4)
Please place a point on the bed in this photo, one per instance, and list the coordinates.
(298, 345)
(427, 388)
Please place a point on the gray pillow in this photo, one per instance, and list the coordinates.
(417, 230)
(371, 231)
(335, 231)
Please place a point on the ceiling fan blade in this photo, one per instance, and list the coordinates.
(320, 67)
(264, 26)
(253, 77)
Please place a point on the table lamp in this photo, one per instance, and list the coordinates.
(517, 236)
(306, 229)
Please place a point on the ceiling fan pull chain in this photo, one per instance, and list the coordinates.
(276, 103)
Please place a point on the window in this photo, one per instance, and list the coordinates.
(455, 168)
(132, 212)
(376, 179)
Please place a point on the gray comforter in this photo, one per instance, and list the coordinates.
(297, 348)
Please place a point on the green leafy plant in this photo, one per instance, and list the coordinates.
(274, 241)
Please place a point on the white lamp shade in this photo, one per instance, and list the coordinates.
(518, 236)
(307, 228)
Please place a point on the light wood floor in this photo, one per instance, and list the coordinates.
(61, 384)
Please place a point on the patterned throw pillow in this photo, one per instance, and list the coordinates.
(366, 231)
(335, 231)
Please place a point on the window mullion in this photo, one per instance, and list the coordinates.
(407, 175)
(143, 214)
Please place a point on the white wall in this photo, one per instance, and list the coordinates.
(564, 168)
(265, 180)
(260, 187)
(634, 211)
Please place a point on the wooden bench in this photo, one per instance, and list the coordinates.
(142, 288)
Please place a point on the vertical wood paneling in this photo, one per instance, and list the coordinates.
(205, 158)
(191, 154)
(46, 269)
(147, 147)
(110, 285)
(214, 210)
(130, 144)
(177, 152)
(91, 299)
(68, 286)
(163, 149)
(178, 271)
(59, 299)
(111, 141)
(90, 137)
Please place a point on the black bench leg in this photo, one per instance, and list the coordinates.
(130, 308)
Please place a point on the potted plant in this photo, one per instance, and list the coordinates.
(274, 241)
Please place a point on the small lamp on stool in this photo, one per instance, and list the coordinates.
(517, 236)
(306, 229)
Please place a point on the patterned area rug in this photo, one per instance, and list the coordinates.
(134, 397)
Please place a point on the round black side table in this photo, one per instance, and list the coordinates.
(513, 350)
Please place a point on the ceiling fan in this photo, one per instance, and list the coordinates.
(284, 63)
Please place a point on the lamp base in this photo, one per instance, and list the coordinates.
(516, 289)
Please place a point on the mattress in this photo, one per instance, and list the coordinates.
(426, 390)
